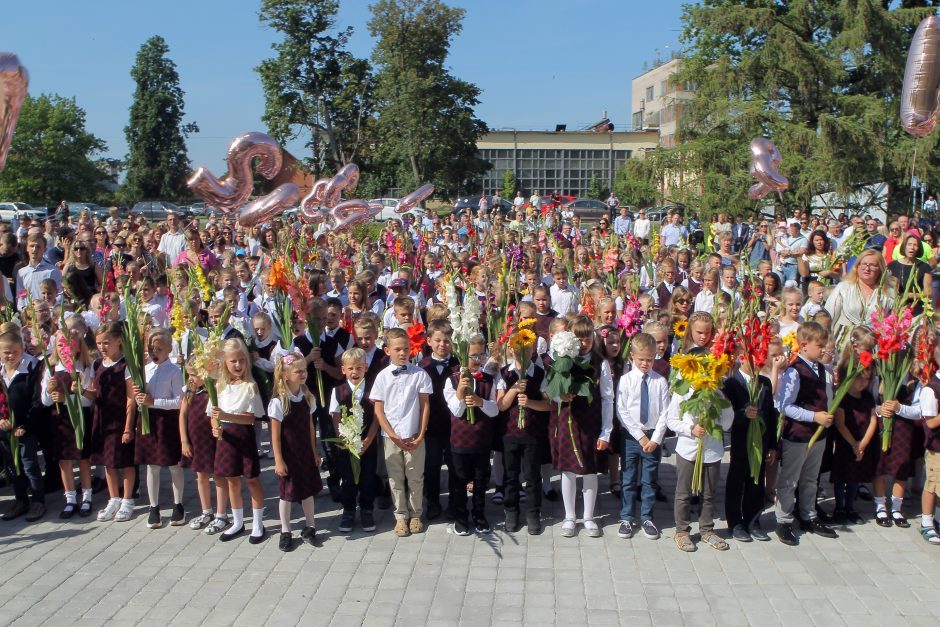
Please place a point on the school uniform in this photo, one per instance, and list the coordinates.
(363, 493)
(236, 452)
(199, 433)
(847, 472)
(470, 444)
(22, 398)
(110, 417)
(581, 423)
(907, 438)
(437, 438)
(928, 403)
(162, 446)
(63, 433)
(663, 294)
(303, 477)
(693, 286)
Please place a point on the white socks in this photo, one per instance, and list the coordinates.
(569, 494)
(896, 503)
(283, 508)
(926, 520)
(86, 495)
(257, 524)
(880, 504)
(589, 490)
(307, 504)
(70, 496)
(238, 521)
(176, 477)
(153, 484)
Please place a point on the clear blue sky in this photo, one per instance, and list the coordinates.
(537, 62)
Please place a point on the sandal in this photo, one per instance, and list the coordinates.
(899, 520)
(930, 535)
(882, 519)
(684, 542)
(715, 541)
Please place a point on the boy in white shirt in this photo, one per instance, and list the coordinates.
(817, 293)
(400, 394)
(565, 299)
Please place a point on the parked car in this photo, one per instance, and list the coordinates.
(11, 210)
(548, 204)
(589, 209)
(92, 209)
(197, 209)
(473, 204)
(156, 210)
(657, 214)
(388, 208)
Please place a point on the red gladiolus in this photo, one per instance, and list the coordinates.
(415, 338)
(865, 358)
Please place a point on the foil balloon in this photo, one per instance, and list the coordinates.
(350, 213)
(309, 211)
(14, 79)
(235, 189)
(920, 95)
(345, 180)
(351, 172)
(765, 160)
(264, 208)
(410, 201)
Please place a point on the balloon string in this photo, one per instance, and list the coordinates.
(914, 160)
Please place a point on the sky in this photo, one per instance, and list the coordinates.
(538, 63)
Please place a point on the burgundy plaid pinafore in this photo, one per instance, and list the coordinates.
(199, 433)
(162, 446)
(584, 428)
(303, 476)
(907, 443)
(476, 437)
(63, 434)
(109, 417)
(236, 452)
(858, 412)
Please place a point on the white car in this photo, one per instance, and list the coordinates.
(11, 210)
(388, 209)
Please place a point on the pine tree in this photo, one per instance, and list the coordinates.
(157, 163)
(508, 189)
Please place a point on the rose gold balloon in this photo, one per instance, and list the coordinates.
(334, 190)
(266, 207)
(920, 95)
(410, 201)
(309, 211)
(351, 172)
(14, 79)
(765, 159)
(232, 192)
(350, 213)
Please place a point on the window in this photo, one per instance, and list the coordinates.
(662, 88)
(649, 93)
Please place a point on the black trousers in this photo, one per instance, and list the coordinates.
(744, 499)
(437, 454)
(364, 492)
(521, 458)
(330, 452)
(469, 467)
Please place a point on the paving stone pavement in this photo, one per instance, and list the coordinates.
(81, 572)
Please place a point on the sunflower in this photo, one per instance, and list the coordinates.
(689, 366)
(523, 338)
(525, 323)
(680, 327)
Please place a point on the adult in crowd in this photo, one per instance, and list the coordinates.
(861, 293)
(173, 241)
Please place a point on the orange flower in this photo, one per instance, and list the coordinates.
(278, 275)
(415, 338)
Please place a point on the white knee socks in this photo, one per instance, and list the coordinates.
(569, 494)
(589, 490)
(283, 508)
(176, 477)
(307, 504)
(257, 524)
(153, 484)
(238, 521)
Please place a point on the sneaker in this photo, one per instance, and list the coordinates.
(650, 530)
(126, 512)
(626, 530)
(178, 518)
(569, 528)
(286, 542)
(201, 522)
(758, 533)
(785, 534)
(483, 526)
(346, 522)
(592, 530)
(367, 520)
(459, 529)
(401, 528)
(218, 525)
(110, 510)
(309, 535)
(36, 511)
(715, 541)
(930, 535)
(498, 496)
(415, 525)
(740, 534)
(153, 520)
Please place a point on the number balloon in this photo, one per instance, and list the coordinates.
(410, 201)
(765, 159)
(14, 79)
(264, 208)
(920, 95)
(233, 192)
(350, 213)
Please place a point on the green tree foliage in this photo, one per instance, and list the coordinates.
(508, 189)
(52, 155)
(820, 78)
(637, 182)
(425, 115)
(596, 189)
(157, 163)
(314, 87)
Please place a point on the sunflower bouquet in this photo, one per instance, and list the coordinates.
(522, 341)
(701, 376)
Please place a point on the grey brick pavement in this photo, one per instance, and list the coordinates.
(81, 572)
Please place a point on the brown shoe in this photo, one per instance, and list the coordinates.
(401, 528)
(416, 526)
(684, 542)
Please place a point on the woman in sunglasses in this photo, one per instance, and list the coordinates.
(81, 265)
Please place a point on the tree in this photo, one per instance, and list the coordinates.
(314, 86)
(637, 183)
(595, 189)
(508, 189)
(52, 155)
(821, 79)
(157, 163)
(425, 115)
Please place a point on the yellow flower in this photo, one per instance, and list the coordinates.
(523, 338)
(721, 366)
(790, 342)
(689, 366)
(525, 323)
(679, 328)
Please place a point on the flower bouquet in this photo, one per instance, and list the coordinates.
(284, 311)
(416, 337)
(701, 375)
(73, 402)
(465, 320)
(522, 342)
(756, 337)
(350, 436)
(570, 374)
(856, 365)
(133, 343)
(630, 322)
(893, 338)
(206, 363)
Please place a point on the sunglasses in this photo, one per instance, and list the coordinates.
(79, 248)
(119, 244)
(683, 301)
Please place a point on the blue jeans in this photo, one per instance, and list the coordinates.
(635, 462)
(790, 272)
(30, 476)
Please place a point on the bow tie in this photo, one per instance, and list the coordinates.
(443, 363)
(399, 370)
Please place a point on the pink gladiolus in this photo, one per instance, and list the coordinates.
(631, 321)
(65, 354)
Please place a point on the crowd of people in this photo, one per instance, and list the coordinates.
(521, 352)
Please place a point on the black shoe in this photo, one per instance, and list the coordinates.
(286, 543)
(309, 535)
(153, 520)
(228, 537)
(512, 522)
(433, 510)
(741, 534)
(367, 520)
(98, 484)
(626, 530)
(84, 510)
(179, 515)
(785, 535)
(36, 511)
(821, 529)
(460, 528)
(839, 516)
(482, 526)
(346, 522)
(534, 524)
(758, 533)
(899, 520)
(68, 511)
(19, 508)
(660, 495)
(882, 519)
(551, 495)
(851, 515)
(258, 539)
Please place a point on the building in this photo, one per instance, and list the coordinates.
(657, 99)
(562, 160)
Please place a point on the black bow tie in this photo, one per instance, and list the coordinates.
(399, 370)
(441, 362)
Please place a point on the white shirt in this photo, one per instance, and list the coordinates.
(400, 397)
(564, 300)
(157, 314)
(164, 383)
(29, 277)
(22, 368)
(172, 244)
(85, 377)
(357, 391)
(457, 406)
(787, 392)
(628, 404)
(238, 398)
(641, 228)
(686, 443)
(928, 401)
(704, 301)
(276, 411)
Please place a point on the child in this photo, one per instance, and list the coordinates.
(790, 319)
(236, 452)
(663, 292)
(929, 527)
(565, 299)
(400, 394)
(113, 425)
(21, 377)
(353, 391)
(440, 365)
(705, 299)
(294, 440)
(470, 443)
(587, 426)
(699, 332)
(544, 314)
(744, 495)
(69, 347)
(694, 282)
(150, 304)
(729, 285)
(689, 432)
(642, 397)
(198, 448)
(856, 448)
(803, 398)
(660, 334)
(817, 293)
(162, 447)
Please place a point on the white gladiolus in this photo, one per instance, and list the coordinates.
(565, 344)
